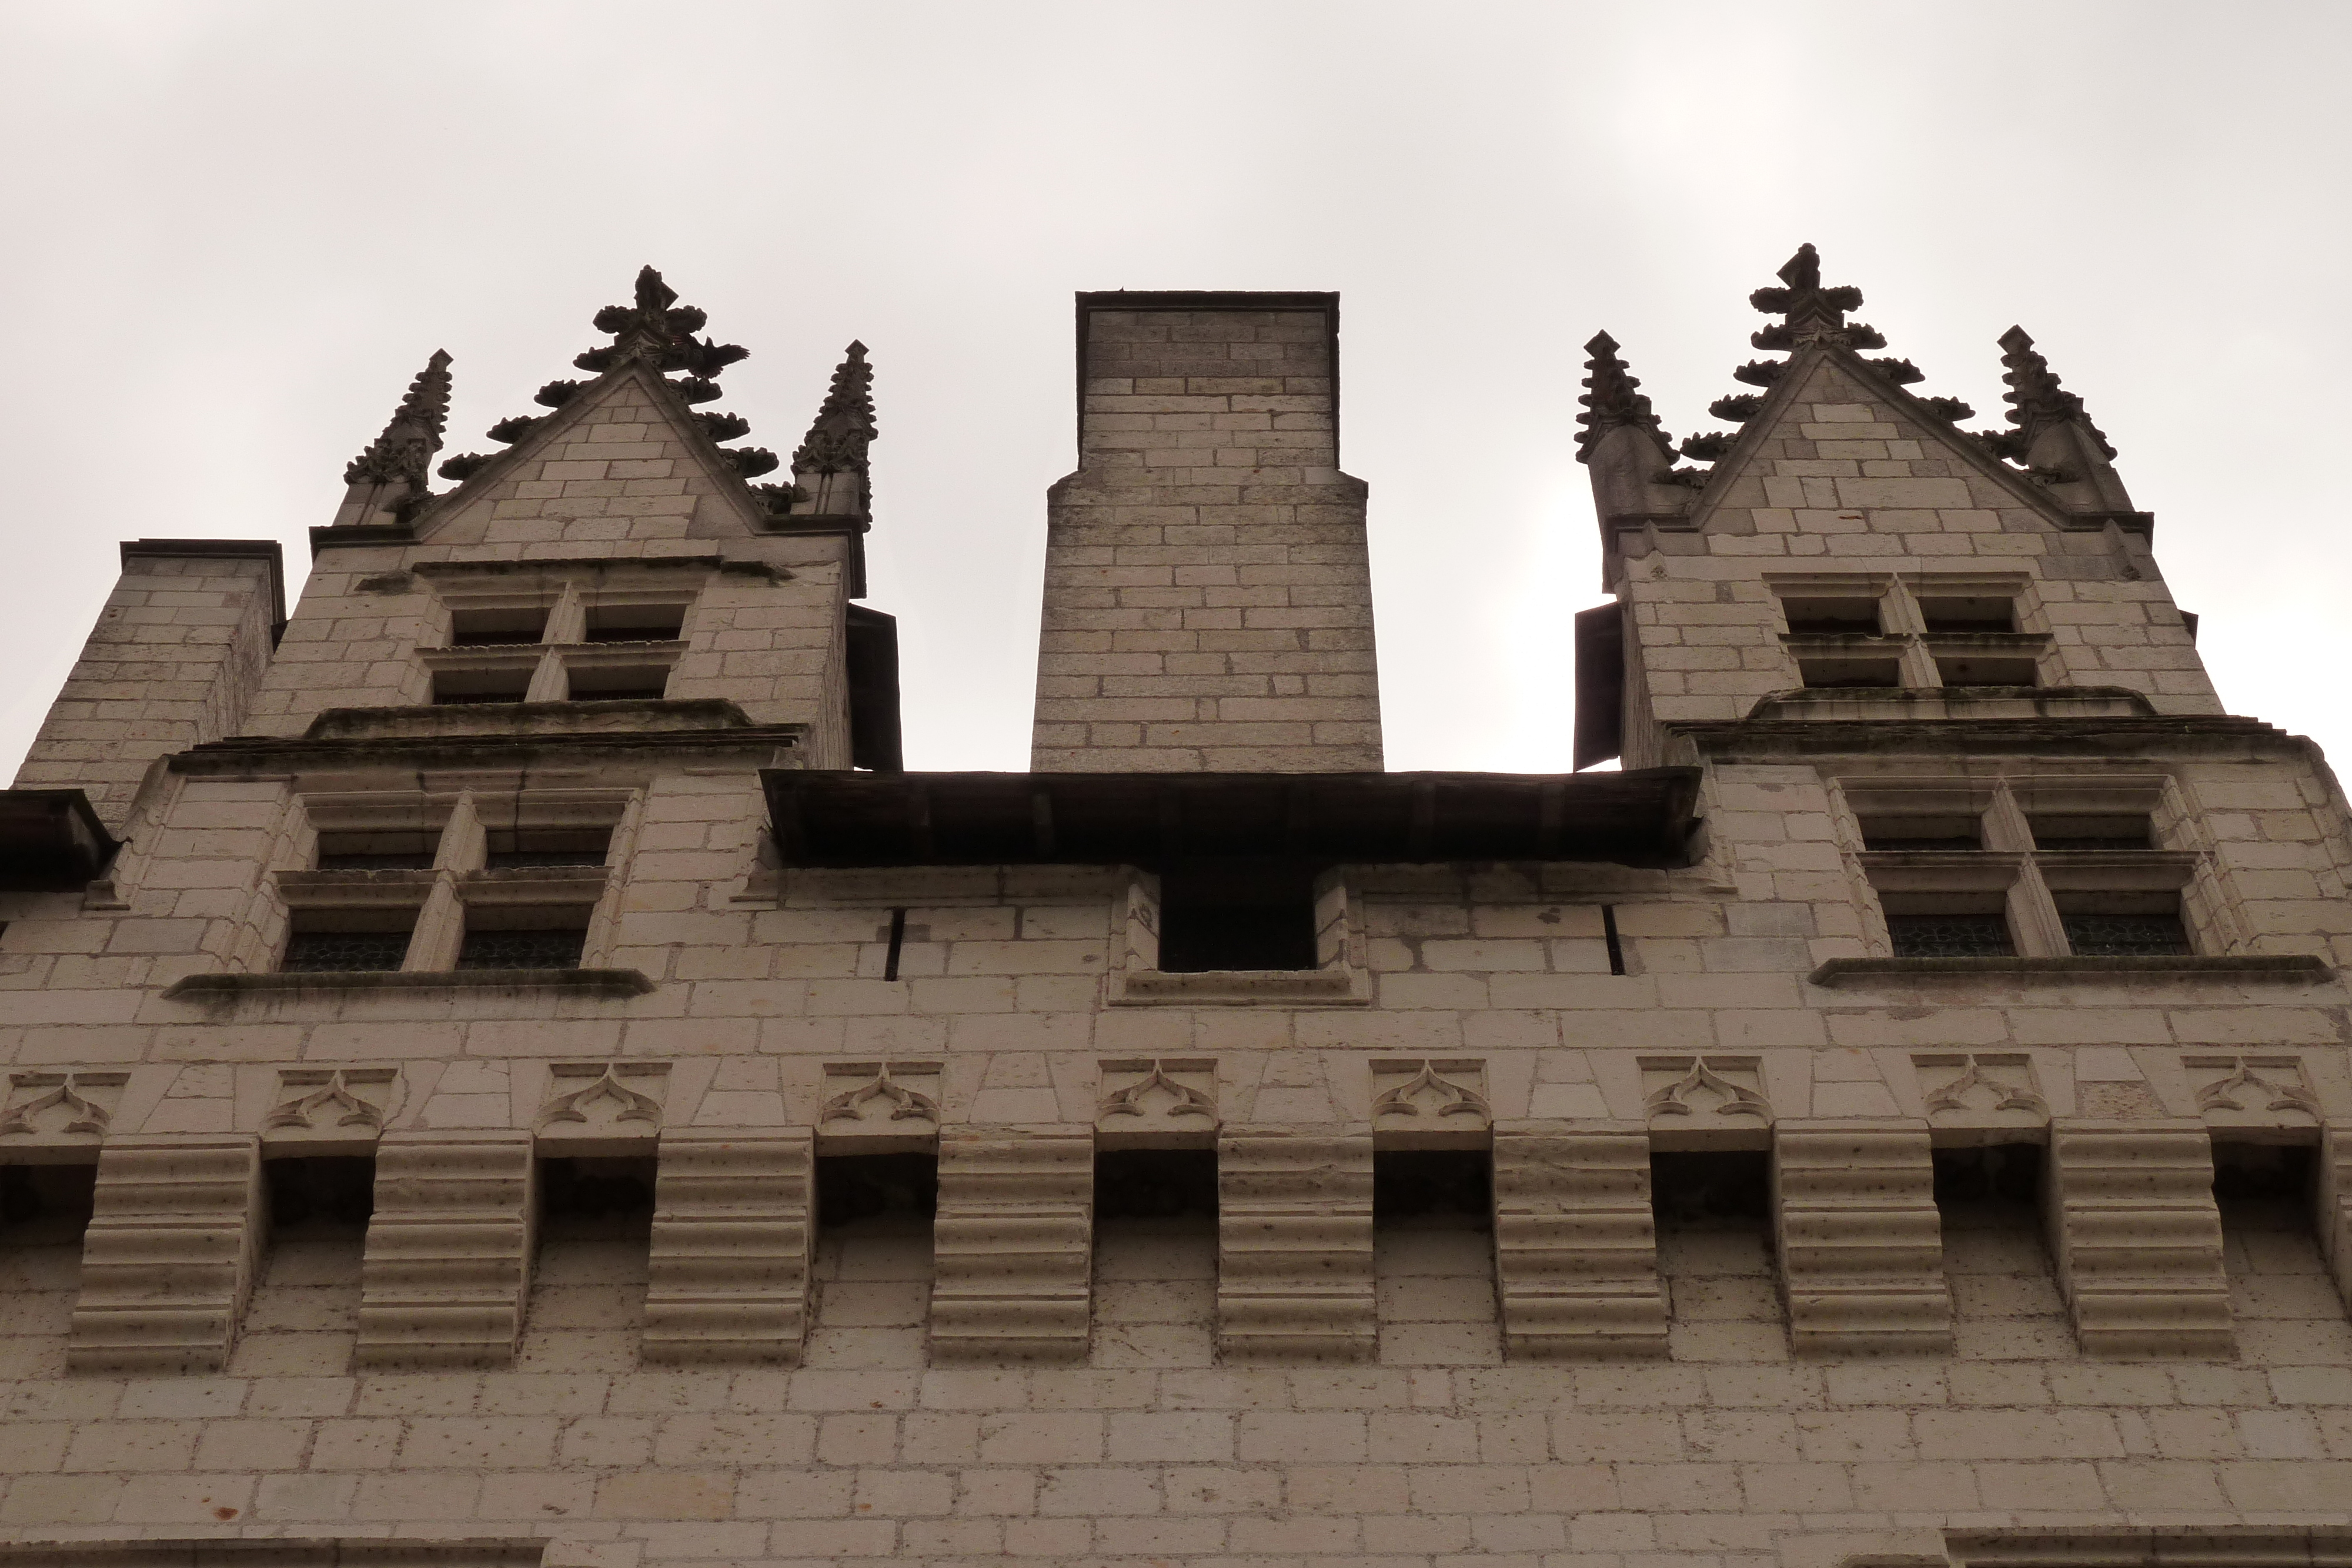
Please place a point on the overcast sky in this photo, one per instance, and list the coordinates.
(237, 229)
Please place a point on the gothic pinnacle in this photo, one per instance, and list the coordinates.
(412, 435)
(844, 426)
(1613, 398)
(2036, 401)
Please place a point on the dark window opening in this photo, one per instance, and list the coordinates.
(1839, 675)
(491, 628)
(1942, 832)
(1950, 936)
(1433, 1184)
(853, 1188)
(1848, 616)
(513, 847)
(339, 940)
(319, 1194)
(1155, 1184)
(1710, 1189)
(2123, 925)
(590, 685)
(521, 938)
(467, 689)
(635, 622)
(2265, 1196)
(45, 1205)
(2085, 830)
(399, 850)
(1237, 915)
(1611, 939)
(1988, 672)
(1969, 614)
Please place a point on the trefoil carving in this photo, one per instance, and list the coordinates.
(72, 1104)
(2255, 1085)
(1183, 1099)
(603, 1098)
(1983, 1083)
(881, 1097)
(316, 1100)
(1700, 1085)
(1427, 1092)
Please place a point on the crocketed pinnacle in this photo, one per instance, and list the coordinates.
(845, 426)
(2036, 401)
(660, 330)
(1613, 398)
(412, 435)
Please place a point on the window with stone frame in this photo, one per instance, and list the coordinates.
(473, 880)
(549, 635)
(1911, 629)
(2027, 866)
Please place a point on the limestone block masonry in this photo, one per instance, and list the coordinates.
(513, 1074)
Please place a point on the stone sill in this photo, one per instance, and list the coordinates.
(343, 982)
(1343, 986)
(2291, 967)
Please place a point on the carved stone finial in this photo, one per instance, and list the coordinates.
(1810, 313)
(659, 330)
(412, 435)
(831, 476)
(1613, 398)
(2036, 401)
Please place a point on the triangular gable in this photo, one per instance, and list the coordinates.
(1785, 459)
(623, 459)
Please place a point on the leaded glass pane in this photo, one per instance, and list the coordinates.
(315, 952)
(2126, 935)
(1950, 936)
(522, 949)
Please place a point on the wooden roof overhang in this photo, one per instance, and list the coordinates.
(1154, 820)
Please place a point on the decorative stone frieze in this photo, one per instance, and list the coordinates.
(1012, 1244)
(728, 1278)
(448, 1250)
(1159, 1104)
(1294, 1244)
(169, 1257)
(879, 1107)
(58, 1112)
(2136, 1237)
(2254, 1092)
(1576, 1252)
(1858, 1236)
(1431, 1104)
(601, 1107)
(1705, 1102)
(330, 1110)
(1980, 1096)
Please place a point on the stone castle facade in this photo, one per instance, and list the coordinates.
(505, 1067)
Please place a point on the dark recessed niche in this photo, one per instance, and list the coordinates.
(320, 1192)
(1237, 915)
(1696, 1189)
(2262, 1172)
(1155, 1184)
(1430, 1184)
(1991, 1173)
(866, 1186)
(42, 1205)
(593, 1194)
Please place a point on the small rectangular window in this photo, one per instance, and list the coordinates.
(1236, 916)
(513, 938)
(1936, 832)
(403, 848)
(1831, 674)
(635, 622)
(2122, 923)
(1850, 615)
(459, 688)
(496, 627)
(1999, 670)
(1964, 613)
(509, 847)
(2074, 832)
(343, 940)
(634, 682)
(1953, 924)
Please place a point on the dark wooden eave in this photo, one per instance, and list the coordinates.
(1157, 819)
(50, 841)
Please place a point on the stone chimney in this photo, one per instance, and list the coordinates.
(1208, 601)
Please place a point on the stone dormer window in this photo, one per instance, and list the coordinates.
(1912, 630)
(559, 638)
(2032, 867)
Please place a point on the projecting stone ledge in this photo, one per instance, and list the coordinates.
(223, 988)
(2291, 968)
